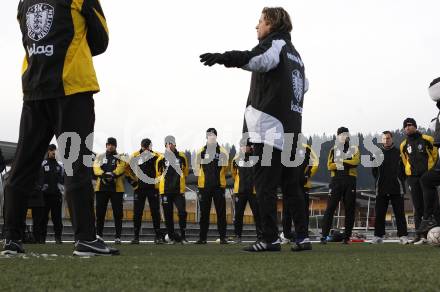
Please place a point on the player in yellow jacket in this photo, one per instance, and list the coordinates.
(109, 168)
(212, 163)
(172, 169)
(343, 160)
(142, 173)
(244, 189)
(419, 155)
(308, 169)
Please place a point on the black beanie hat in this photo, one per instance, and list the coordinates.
(212, 130)
(111, 141)
(409, 121)
(145, 143)
(342, 130)
(52, 147)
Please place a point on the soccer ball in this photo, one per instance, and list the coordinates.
(434, 236)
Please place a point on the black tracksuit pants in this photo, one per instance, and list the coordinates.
(341, 188)
(168, 203)
(140, 196)
(430, 182)
(116, 200)
(53, 204)
(267, 179)
(240, 205)
(40, 121)
(38, 224)
(397, 201)
(206, 197)
(415, 188)
(287, 215)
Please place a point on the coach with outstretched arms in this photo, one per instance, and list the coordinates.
(59, 37)
(274, 109)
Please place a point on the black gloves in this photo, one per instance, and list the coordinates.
(108, 177)
(210, 59)
(438, 104)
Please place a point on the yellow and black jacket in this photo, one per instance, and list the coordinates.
(110, 170)
(212, 169)
(309, 166)
(170, 181)
(60, 37)
(243, 176)
(146, 162)
(340, 167)
(418, 154)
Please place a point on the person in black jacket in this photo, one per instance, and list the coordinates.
(51, 182)
(143, 163)
(244, 189)
(419, 155)
(390, 186)
(58, 81)
(431, 179)
(273, 115)
(2, 162)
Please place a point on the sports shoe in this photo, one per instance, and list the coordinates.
(323, 240)
(223, 241)
(12, 247)
(283, 239)
(135, 240)
(184, 241)
(117, 240)
(237, 240)
(346, 241)
(96, 247)
(260, 246)
(303, 245)
(58, 240)
(426, 225)
(420, 241)
(403, 240)
(376, 240)
(200, 242)
(158, 240)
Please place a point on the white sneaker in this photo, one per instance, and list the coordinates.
(117, 241)
(376, 240)
(283, 239)
(403, 240)
(421, 241)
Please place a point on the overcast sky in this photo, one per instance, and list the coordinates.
(369, 64)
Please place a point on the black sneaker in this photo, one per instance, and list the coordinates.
(135, 241)
(12, 247)
(223, 241)
(96, 247)
(303, 245)
(260, 246)
(426, 225)
(346, 241)
(158, 240)
(58, 240)
(200, 242)
(323, 240)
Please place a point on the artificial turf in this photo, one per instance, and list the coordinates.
(213, 267)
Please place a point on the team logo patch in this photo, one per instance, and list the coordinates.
(298, 85)
(39, 19)
(409, 149)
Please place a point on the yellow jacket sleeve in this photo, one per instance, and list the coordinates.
(330, 164)
(97, 170)
(356, 159)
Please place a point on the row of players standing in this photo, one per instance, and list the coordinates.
(411, 163)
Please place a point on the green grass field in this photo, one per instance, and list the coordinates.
(147, 267)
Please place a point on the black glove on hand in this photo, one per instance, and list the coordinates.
(210, 59)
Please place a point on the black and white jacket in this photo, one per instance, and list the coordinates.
(278, 84)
